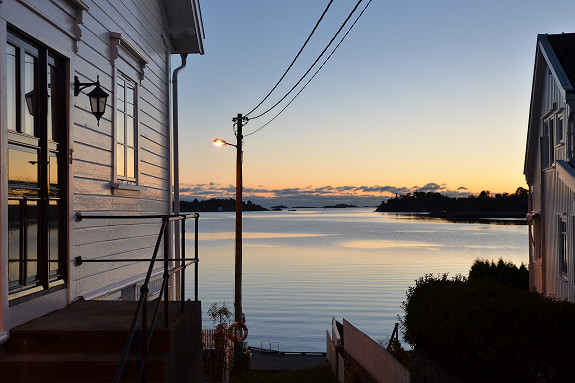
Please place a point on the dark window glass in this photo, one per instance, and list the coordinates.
(36, 173)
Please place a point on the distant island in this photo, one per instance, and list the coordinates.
(485, 205)
(217, 204)
(339, 206)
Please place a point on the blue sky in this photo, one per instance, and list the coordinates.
(420, 93)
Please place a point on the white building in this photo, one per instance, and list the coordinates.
(56, 159)
(550, 168)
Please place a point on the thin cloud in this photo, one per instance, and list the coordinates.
(313, 196)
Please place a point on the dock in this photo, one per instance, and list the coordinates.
(263, 359)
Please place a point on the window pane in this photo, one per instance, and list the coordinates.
(130, 100)
(130, 131)
(29, 93)
(53, 175)
(12, 90)
(22, 167)
(32, 212)
(120, 95)
(53, 242)
(130, 165)
(14, 243)
(120, 160)
(53, 103)
(120, 132)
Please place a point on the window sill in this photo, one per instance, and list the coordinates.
(125, 186)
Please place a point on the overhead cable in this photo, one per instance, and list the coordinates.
(294, 60)
(312, 65)
(316, 72)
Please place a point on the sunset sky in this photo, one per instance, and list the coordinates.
(430, 95)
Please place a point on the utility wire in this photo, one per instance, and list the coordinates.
(316, 72)
(312, 65)
(294, 60)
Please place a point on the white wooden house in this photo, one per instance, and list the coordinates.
(550, 168)
(57, 159)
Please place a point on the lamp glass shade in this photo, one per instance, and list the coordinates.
(98, 99)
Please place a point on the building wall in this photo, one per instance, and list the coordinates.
(143, 55)
(550, 194)
(142, 23)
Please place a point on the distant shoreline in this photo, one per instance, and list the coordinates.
(510, 218)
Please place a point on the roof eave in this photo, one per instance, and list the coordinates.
(184, 26)
(554, 63)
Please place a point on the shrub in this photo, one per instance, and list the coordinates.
(501, 272)
(485, 331)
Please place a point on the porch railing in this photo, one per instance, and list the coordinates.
(141, 308)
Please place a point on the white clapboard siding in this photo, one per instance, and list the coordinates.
(141, 23)
(552, 196)
(91, 165)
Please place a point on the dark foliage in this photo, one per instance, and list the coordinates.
(505, 273)
(439, 205)
(484, 331)
(217, 204)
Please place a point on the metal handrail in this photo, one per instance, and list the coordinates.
(141, 308)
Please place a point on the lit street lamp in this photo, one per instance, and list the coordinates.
(238, 315)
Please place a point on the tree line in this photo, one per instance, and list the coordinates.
(217, 204)
(438, 204)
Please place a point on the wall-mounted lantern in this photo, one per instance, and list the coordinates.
(97, 96)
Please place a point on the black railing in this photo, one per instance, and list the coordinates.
(141, 309)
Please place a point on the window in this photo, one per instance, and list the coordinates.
(126, 129)
(547, 145)
(562, 246)
(559, 131)
(534, 221)
(571, 138)
(35, 114)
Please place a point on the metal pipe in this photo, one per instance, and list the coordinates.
(176, 149)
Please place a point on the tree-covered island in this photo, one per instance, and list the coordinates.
(217, 204)
(438, 205)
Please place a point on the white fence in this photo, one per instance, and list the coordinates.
(372, 357)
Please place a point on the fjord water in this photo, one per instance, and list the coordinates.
(304, 267)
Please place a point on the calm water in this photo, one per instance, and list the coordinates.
(302, 268)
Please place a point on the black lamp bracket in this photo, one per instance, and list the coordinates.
(78, 86)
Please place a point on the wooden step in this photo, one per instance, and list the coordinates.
(47, 341)
(76, 368)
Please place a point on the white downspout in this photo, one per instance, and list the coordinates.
(176, 205)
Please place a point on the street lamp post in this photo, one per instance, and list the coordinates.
(238, 313)
(238, 270)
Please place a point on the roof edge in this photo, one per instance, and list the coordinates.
(554, 63)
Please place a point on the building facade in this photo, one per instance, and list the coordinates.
(57, 159)
(550, 168)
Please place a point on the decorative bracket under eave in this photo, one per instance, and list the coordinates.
(120, 40)
(80, 6)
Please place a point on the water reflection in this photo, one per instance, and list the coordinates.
(217, 236)
(383, 244)
(300, 269)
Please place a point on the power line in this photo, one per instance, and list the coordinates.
(316, 72)
(294, 60)
(312, 65)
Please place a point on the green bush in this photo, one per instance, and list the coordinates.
(501, 272)
(485, 331)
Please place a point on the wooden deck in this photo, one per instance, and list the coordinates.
(84, 341)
